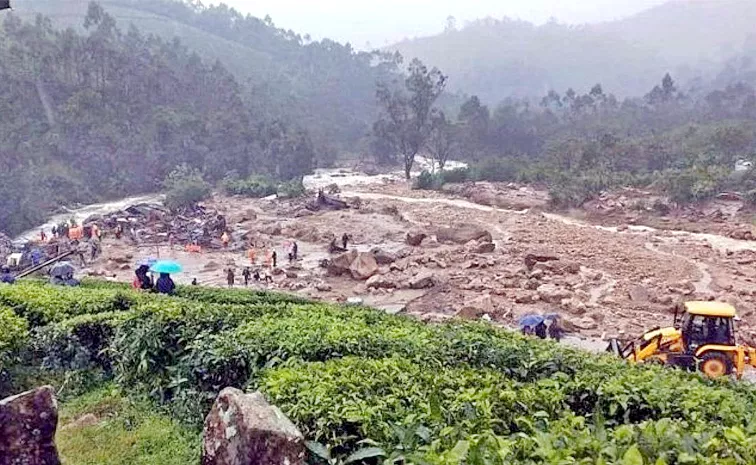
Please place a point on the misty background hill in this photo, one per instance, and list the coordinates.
(323, 85)
(496, 59)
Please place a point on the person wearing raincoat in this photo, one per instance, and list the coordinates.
(165, 284)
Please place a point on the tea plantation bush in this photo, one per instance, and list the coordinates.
(365, 386)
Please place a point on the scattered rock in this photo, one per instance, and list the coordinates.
(323, 287)
(638, 294)
(383, 257)
(423, 280)
(476, 308)
(484, 247)
(380, 282)
(553, 294)
(211, 266)
(291, 274)
(526, 297)
(463, 234)
(364, 266)
(533, 257)
(303, 212)
(243, 429)
(27, 428)
(415, 239)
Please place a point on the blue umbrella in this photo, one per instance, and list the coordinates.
(166, 266)
(529, 321)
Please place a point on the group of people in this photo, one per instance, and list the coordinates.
(247, 275)
(144, 281)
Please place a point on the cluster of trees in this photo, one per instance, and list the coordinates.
(686, 144)
(110, 113)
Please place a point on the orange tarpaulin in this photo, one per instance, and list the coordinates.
(193, 248)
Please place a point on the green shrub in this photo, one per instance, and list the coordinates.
(449, 393)
(342, 400)
(185, 187)
(42, 304)
(254, 186)
(14, 333)
(291, 189)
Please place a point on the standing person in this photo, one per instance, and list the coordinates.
(92, 248)
(230, 277)
(165, 284)
(295, 250)
(119, 231)
(194, 282)
(55, 231)
(42, 235)
(251, 255)
(344, 240)
(6, 277)
(247, 273)
(225, 239)
(274, 258)
(96, 233)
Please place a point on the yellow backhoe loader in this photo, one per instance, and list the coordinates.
(701, 338)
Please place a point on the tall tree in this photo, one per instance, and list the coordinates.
(442, 140)
(405, 124)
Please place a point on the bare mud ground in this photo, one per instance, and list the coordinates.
(604, 280)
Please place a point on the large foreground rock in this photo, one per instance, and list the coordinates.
(27, 428)
(463, 234)
(364, 266)
(243, 429)
(342, 263)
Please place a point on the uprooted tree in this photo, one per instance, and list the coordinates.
(405, 124)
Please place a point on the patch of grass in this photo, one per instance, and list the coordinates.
(102, 427)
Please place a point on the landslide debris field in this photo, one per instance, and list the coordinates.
(480, 250)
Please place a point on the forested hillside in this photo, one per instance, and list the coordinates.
(323, 85)
(496, 59)
(112, 112)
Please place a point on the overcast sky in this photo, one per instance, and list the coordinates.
(381, 22)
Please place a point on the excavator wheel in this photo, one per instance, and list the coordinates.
(715, 365)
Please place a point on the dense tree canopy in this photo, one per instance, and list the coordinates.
(686, 144)
(110, 113)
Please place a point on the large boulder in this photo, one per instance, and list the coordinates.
(384, 257)
(243, 429)
(423, 280)
(463, 234)
(342, 263)
(363, 266)
(27, 428)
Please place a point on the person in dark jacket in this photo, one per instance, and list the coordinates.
(143, 279)
(6, 277)
(345, 240)
(165, 284)
(247, 273)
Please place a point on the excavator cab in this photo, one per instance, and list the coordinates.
(702, 338)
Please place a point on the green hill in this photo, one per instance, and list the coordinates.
(323, 86)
